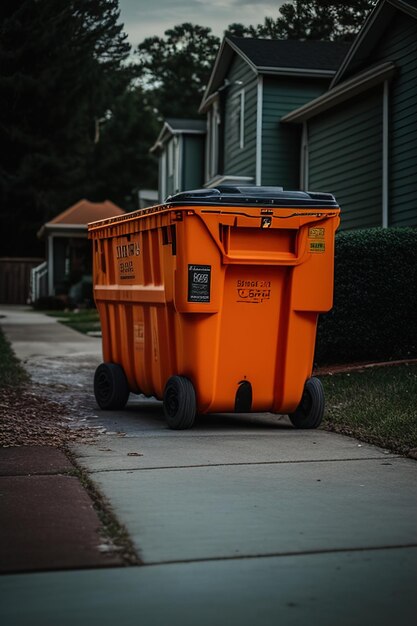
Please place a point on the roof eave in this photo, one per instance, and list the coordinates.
(350, 88)
(167, 130)
(51, 226)
(382, 11)
(220, 68)
(296, 71)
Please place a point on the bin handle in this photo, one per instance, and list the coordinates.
(277, 257)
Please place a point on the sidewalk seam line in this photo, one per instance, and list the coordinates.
(165, 467)
(282, 554)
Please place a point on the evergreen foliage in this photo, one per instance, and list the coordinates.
(60, 70)
(374, 316)
(176, 68)
(314, 19)
(123, 164)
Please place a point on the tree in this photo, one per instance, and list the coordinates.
(313, 19)
(122, 160)
(175, 69)
(61, 66)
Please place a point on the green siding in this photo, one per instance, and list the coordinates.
(192, 161)
(345, 158)
(281, 142)
(399, 45)
(240, 161)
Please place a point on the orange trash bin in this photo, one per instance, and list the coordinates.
(210, 301)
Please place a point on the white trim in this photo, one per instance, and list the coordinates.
(243, 56)
(241, 95)
(304, 159)
(176, 172)
(223, 60)
(163, 189)
(295, 71)
(180, 163)
(207, 147)
(212, 153)
(259, 131)
(218, 180)
(385, 154)
(351, 87)
(168, 130)
(383, 11)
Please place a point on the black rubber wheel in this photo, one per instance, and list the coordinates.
(180, 405)
(310, 411)
(110, 386)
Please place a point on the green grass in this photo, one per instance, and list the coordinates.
(12, 373)
(377, 405)
(85, 320)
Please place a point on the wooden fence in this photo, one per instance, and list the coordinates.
(15, 279)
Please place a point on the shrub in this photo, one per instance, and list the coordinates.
(375, 300)
(50, 303)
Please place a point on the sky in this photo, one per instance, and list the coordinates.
(146, 18)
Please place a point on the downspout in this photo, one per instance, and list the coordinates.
(385, 166)
(304, 158)
(163, 188)
(258, 178)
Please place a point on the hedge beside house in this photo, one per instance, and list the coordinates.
(374, 316)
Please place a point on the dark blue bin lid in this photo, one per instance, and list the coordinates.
(226, 195)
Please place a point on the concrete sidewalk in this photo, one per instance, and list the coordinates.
(241, 520)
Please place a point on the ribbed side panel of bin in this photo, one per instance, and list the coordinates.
(225, 296)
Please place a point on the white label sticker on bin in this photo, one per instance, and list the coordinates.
(199, 282)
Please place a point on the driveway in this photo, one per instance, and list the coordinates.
(241, 520)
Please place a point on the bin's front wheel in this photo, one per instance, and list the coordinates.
(180, 405)
(310, 411)
(110, 386)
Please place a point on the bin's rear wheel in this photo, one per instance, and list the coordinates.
(110, 386)
(310, 411)
(180, 405)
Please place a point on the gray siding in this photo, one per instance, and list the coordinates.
(399, 44)
(281, 142)
(345, 158)
(192, 161)
(240, 161)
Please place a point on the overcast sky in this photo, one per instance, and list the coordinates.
(145, 18)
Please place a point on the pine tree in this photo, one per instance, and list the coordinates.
(175, 69)
(311, 19)
(60, 70)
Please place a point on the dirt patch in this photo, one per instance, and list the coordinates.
(28, 417)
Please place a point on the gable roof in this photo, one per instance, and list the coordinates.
(287, 57)
(178, 126)
(371, 32)
(354, 75)
(271, 54)
(83, 212)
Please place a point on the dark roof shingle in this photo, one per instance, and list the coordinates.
(291, 53)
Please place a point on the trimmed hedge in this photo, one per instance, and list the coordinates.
(374, 316)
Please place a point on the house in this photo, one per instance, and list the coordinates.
(180, 149)
(68, 267)
(253, 84)
(360, 136)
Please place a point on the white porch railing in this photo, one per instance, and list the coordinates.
(38, 282)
